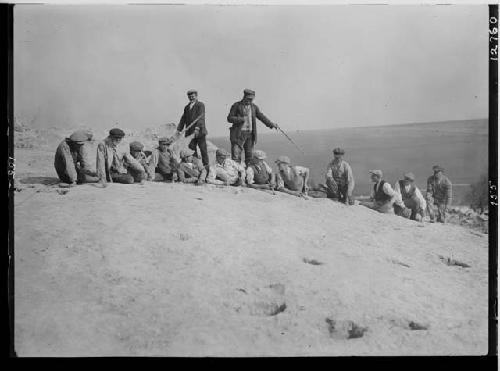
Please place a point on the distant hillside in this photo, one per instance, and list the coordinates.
(460, 146)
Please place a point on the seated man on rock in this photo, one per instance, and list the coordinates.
(227, 170)
(191, 169)
(411, 197)
(293, 180)
(71, 160)
(259, 174)
(163, 163)
(383, 197)
(137, 166)
(111, 164)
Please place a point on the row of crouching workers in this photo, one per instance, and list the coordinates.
(162, 164)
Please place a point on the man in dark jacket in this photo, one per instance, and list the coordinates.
(190, 169)
(195, 110)
(243, 133)
(71, 160)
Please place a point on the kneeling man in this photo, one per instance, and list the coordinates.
(137, 166)
(411, 197)
(163, 161)
(339, 178)
(110, 163)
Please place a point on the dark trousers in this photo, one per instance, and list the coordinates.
(81, 178)
(441, 211)
(122, 178)
(336, 190)
(200, 142)
(412, 204)
(87, 178)
(187, 172)
(166, 172)
(245, 143)
(138, 175)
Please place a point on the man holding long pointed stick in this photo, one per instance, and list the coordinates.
(243, 133)
(193, 120)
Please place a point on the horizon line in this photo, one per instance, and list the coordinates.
(380, 126)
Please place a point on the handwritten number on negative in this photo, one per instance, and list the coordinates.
(493, 196)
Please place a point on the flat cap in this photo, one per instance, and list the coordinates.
(192, 91)
(166, 140)
(221, 152)
(249, 92)
(376, 172)
(136, 146)
(338, 151)
(437, 168)
(186, 152)
(283, 160)
(410, 177)
(117, 133)
(261, 155)
(80, 136)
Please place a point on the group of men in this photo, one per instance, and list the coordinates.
(162, 164)
(406, 200)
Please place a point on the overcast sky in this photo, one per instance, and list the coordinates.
(312, 67)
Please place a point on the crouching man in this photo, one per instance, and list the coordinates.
(163, 161)
(259, 173)
(191, 169)
(137, 166)
(411, 197)
(109, 163)
(227, 170)
(339, 179)
(439, 194)
(71, 160)
(383, 197)
(293, 180)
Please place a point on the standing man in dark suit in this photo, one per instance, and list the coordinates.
(243, 133)
(192, 111)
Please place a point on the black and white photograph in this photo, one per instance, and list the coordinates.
(249, 180)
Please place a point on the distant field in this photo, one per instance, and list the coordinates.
(461, 147)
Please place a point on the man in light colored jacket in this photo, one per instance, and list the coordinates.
(163, 163)
(110, 163)
(227, 170)
(291, 179)
(411, 197)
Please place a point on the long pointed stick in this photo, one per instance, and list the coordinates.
(189, 126)
(290, 139)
